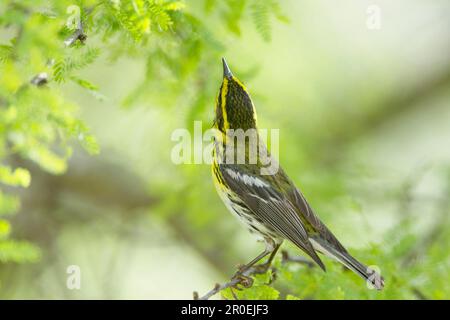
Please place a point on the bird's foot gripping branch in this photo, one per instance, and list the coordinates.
(262, 274)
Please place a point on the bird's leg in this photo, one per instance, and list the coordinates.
(271, 248)
(262, 268)
(247, 266)
(245, 280)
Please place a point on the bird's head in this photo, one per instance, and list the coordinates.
(234, 107)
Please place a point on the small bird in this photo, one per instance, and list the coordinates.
(270, 205)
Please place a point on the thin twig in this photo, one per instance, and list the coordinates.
(40, 79)
(79, 33)
(244, 280)
(285, 258)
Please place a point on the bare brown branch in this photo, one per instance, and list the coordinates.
(244, 280)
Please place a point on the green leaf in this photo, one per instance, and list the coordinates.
(92, 88)
(261, 18)
(6, 53)
(259, 291)
(47, 159)
(63, 68)
(175, 6)
(262, 11)
(18, 177)
(19, 252)
(84, 83)
(89, 143)
(80, 131)
(5, 229)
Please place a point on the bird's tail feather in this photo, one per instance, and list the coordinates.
(347, 260)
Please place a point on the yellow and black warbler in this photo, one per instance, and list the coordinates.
(270, 205)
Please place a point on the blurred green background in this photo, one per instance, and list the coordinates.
(364, 119)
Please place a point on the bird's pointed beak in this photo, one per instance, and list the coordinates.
(226, 70)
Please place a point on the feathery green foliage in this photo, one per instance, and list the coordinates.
(52, 43)
(46, 48)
